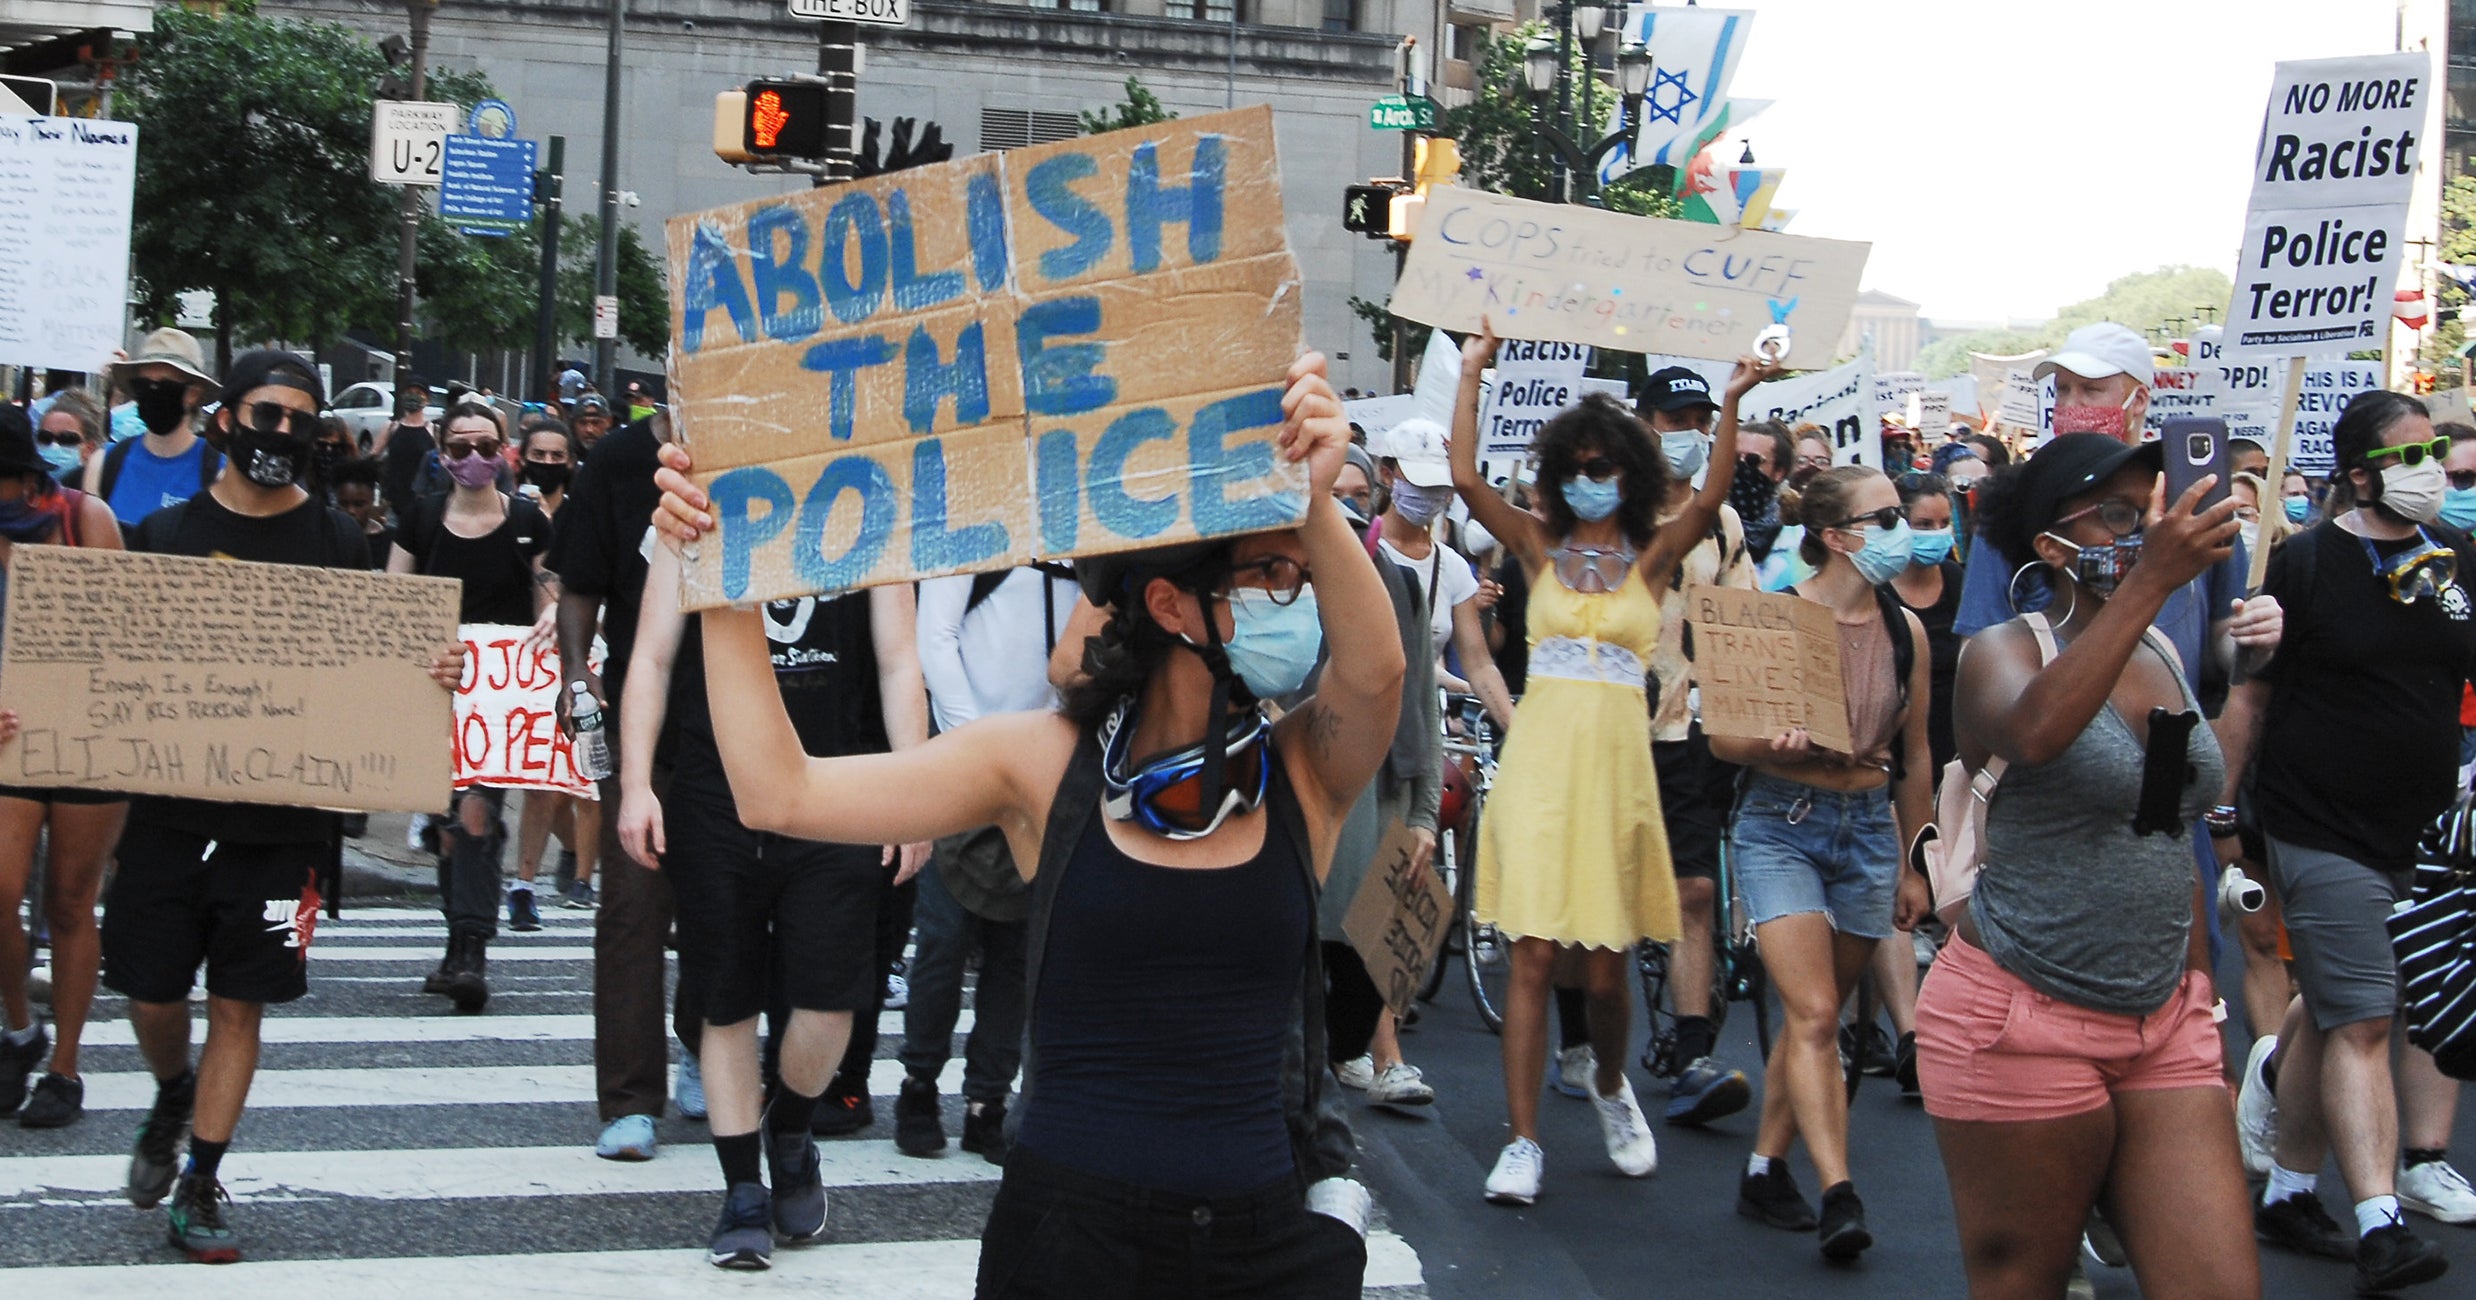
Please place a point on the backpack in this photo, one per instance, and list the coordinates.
(1950, 850)
(1903, 662)
(210, 463)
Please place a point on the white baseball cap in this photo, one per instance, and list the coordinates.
(2103, 351)
(1421, 449)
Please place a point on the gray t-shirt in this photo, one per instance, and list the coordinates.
(2070, 900)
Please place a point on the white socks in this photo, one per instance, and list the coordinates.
(2374, 1213)
(2285, 1182)
(1758, 1166)
(520, 886)
(21, 1037)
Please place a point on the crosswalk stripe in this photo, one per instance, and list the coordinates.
(468, 1085)
(427, 1173)
(880, 1270)
(431, 1029)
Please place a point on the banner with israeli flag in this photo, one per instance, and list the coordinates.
(1694, 54)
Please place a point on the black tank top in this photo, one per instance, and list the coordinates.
(1166, 1001)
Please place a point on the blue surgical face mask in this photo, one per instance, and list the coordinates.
(1885, 553)
(1930, 547)
(1685, 452)
(2298, 509)
(1273, 647)
(1593, 499)
(63, 459)
(2458, 507)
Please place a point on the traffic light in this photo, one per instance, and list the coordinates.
(1436, 160)
(769, 121)
(1366, 209)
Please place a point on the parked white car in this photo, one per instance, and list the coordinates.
(366, 409)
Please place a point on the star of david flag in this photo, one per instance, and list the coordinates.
(1694, 54)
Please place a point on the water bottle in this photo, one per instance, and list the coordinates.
(592, 748)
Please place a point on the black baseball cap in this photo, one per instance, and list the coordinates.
(2070, 465)
(592, 404)
(265, 367)
(1674, 389)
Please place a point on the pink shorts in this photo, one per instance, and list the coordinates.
(1992, 1049)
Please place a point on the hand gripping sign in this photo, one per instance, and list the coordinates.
(1063, 350)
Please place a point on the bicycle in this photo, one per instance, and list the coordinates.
(1487, 960)
(1737, 975)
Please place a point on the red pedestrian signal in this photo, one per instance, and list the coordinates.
(784, 119)
(766, 119)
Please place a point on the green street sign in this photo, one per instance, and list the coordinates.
(1403, 113)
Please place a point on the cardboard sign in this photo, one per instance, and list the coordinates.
(2323, 246)
(507, 715)
(1571, 274)
(1064, 350)
(238, 683)
(64, 239)
(1766, 662)
(1398, 926)
(1530, 384)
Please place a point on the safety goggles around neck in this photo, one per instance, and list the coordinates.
(2418, 573)
(1166, 795)
(1591, 570)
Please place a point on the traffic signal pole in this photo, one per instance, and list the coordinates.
(606, 278)
(838, 61)
(408, 202)
(550, 183)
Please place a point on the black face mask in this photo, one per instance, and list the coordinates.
(162, 403)
(270, 458)
(547, 476)
(326, 456)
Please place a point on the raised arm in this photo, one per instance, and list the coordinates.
(1520, 531)
(1678, 537)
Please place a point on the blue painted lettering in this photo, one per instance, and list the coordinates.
(1059, 380)
(860, 474)
(1060, 491)
(1049, 187)
(912, 290)
(985, 209)
(1197, 203)
(713, 281)
(775, 277)
(854, 218)
(1118, 510)
(928, 380)
(841, 360)
(935, 548)
(1217, 466)
(733, 493)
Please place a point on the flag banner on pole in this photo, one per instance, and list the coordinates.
(1694, 53)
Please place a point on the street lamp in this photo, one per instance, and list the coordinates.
(1633, 75)
(1539, 66)
(1542, 69)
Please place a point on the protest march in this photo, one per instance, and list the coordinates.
(1267, 762)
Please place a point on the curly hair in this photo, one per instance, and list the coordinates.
(1826, 499)
(2001, 516)
(1601, 423)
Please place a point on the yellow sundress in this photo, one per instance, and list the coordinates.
(1572, 846)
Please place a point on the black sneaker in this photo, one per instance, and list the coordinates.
(17, 1060)
(197, 1222)
(799, 1186)
(1881, 1059)
(57, 1103)
(1773, 1200)
(841, 1115)
(155, 1161)
(1843, 1232)
(984, 1130)
(2391, 1257)
(917, 1129)
(2300, 1224)
(523, 916)
(744, 1237)
(1904, 1069)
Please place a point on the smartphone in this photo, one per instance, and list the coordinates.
(2195, 447)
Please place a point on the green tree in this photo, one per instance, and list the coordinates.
(2458, 247)
(253, 175)
(1141, 108)
(644, 304)
(486, 294)
(2143, 300)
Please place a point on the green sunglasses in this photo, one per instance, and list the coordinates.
(2412, 454)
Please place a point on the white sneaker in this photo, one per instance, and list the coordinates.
(1575, 1068)
(1515, 1180)
(1630, 1143)
(2256, 1110)
(1401, 1084)
(2437, 1191)
(1359, 1073)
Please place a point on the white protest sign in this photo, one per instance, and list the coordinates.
(1840, 399)
(2328, 387)
(2177, 392)
(2246, 395)
(1376, 414)
(507, 721)
(2322, 251)
(1892, 389)
(1439, 383)
(1530, 384)
(65, 186)
(1930, 411)
(2018, 406)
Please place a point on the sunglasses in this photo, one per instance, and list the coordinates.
(2463, 479)
(275, 417)
(70, 439)
(2412, 454)
(465, 450)
(1598, 469)
(1886, 519)
(2121, 517)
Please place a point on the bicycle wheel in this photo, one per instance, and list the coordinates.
(1751, 983)
(1487, 957)
(1650, 964)
(1448, 870)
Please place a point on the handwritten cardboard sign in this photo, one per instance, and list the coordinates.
(2341, 143)
(1063, 350)
(1398, 925)
(64, 239)
(239, 683)
(1569, 274)
(507, 721)
(1766, 662)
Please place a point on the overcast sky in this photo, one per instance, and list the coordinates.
(2006, 158)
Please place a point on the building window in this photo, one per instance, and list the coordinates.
(1340, 15)
(1461, 42)
(1079, 6)
(1209, 11)
(1013, 128)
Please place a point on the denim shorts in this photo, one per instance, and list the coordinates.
(1798, 848)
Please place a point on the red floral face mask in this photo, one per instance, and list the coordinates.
(2108, 420)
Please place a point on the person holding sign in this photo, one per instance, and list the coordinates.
(1572, 852)
(230, 886)
(83, 823)
(1175, 839)
(2065, 1040)
(1816, 844)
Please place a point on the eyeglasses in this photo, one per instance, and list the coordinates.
(1598, 469)
(1589, 570)
(52, 439)
(275, 417)
(2121, 517)
(466, 450)
(1886, 519)
(2463, 479)
(2412, 454)
(1278, 575)
(1814, 462)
